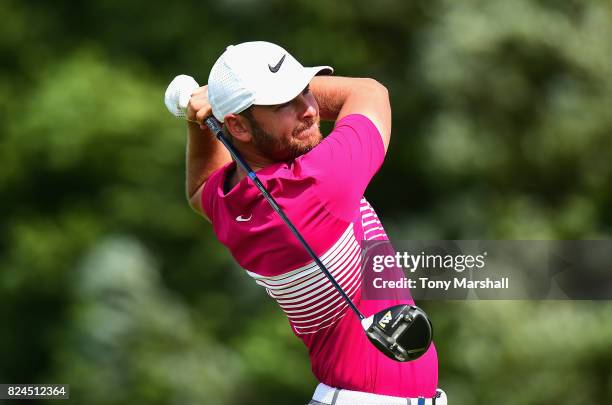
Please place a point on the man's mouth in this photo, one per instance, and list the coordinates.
(304, 132)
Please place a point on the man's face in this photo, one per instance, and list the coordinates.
(286, 131)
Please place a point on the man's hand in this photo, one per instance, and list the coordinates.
(199, 108)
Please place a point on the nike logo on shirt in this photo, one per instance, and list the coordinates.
(240, 218)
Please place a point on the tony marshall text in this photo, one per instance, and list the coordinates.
(456, 282)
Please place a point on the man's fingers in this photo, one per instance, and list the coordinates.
(198, 102)
(198, 106)
(203, 113)
(200, 91)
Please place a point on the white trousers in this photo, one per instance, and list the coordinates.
(326, 395)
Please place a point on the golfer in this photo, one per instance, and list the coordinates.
(271, 106)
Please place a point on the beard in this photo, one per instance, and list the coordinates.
(283, 149)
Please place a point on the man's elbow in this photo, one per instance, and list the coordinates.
(375, 86)
(195, 200)
(193, 203)
(378, 93)
(380, 107)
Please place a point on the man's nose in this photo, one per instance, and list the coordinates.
(307, 107)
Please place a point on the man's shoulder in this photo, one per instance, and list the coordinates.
(286, 179)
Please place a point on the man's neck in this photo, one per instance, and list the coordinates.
(239, 174)
(255, 161)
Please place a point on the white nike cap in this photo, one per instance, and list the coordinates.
(256, 73)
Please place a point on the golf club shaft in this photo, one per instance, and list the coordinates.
(215, 127)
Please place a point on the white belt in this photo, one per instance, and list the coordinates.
(334, 396)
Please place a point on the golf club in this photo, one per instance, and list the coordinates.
(401, 332)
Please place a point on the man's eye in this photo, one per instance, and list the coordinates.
(306, 90)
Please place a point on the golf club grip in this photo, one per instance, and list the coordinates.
(215, 127)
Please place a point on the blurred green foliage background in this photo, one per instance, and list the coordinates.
(502, 129)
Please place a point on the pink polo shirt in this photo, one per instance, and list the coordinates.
(322, 194)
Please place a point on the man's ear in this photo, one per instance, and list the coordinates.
(239, 127)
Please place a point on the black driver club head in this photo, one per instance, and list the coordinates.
(401, 332)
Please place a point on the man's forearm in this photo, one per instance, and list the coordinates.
(332, 92)
(341, 96)
(205, 154)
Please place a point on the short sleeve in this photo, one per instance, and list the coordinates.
(344, 163)
(210, 188)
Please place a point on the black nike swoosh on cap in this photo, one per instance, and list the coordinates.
(275, 68)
